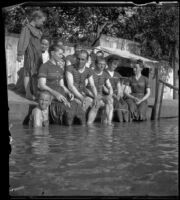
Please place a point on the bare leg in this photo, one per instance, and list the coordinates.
(126, 116)
(104, 116)
(27, 87)
(120, 115)
(109, 110)
(92, 115)
(109, 113)
(26, 82)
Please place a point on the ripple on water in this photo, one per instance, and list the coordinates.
(124, 159)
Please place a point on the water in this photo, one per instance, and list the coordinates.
(126, 159)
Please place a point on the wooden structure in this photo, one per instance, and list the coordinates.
(156, 111)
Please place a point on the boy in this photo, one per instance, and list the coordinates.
(40, 115)
(45, 46)
(29, 46)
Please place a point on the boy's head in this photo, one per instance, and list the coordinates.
(44, 100)
(99, 54)
(44, 43)
(82, 58)
(112, 63)
(100, 63)
(56, 52)
(137, 66)
(38, 17)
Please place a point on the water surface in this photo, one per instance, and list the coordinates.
(124, 159)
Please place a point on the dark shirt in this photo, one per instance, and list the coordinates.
(79, 78)
(100, 80)
(139, 86)
(52, 73)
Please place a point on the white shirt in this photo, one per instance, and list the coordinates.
(111, 73)
(45, 56)
(126, 88)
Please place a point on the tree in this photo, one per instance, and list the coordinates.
(73, 24)
(158, 32)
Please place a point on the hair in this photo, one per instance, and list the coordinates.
(138, 62)
(84, 51)
(56, 41)
(100, 58)
(45, 38)
(44, 92)
(55, 47)
(111, 59)
(100, 52)
(37, 14)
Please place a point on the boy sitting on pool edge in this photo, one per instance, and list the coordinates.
(40, 114)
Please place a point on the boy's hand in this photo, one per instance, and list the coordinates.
(96, 100)
(61, 98)
(136, 99)
(139, 101)
(84, 103)
(71, 96)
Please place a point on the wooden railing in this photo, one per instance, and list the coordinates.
(169, 85)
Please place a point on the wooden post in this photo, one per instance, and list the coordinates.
(161, 91)
(153, 114)
(175, 65)
(158, 97)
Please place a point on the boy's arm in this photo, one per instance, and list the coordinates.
(66, 90)
(148, 92)
(109, 86)
(71, 87)
(93, 87)
(64, 87)
(42, 85)
(127, 93)
(119, 90)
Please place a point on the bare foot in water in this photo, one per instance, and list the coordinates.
(110, 123)
(106, 122)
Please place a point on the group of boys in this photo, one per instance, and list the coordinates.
(79, 74)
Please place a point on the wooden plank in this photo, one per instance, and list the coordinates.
(169, 85)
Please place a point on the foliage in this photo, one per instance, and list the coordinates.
(155, 27)
(74, 24)
(158, 31)
(164, 70)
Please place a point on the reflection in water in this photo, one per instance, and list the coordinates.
(40, 142)
(123, 159)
